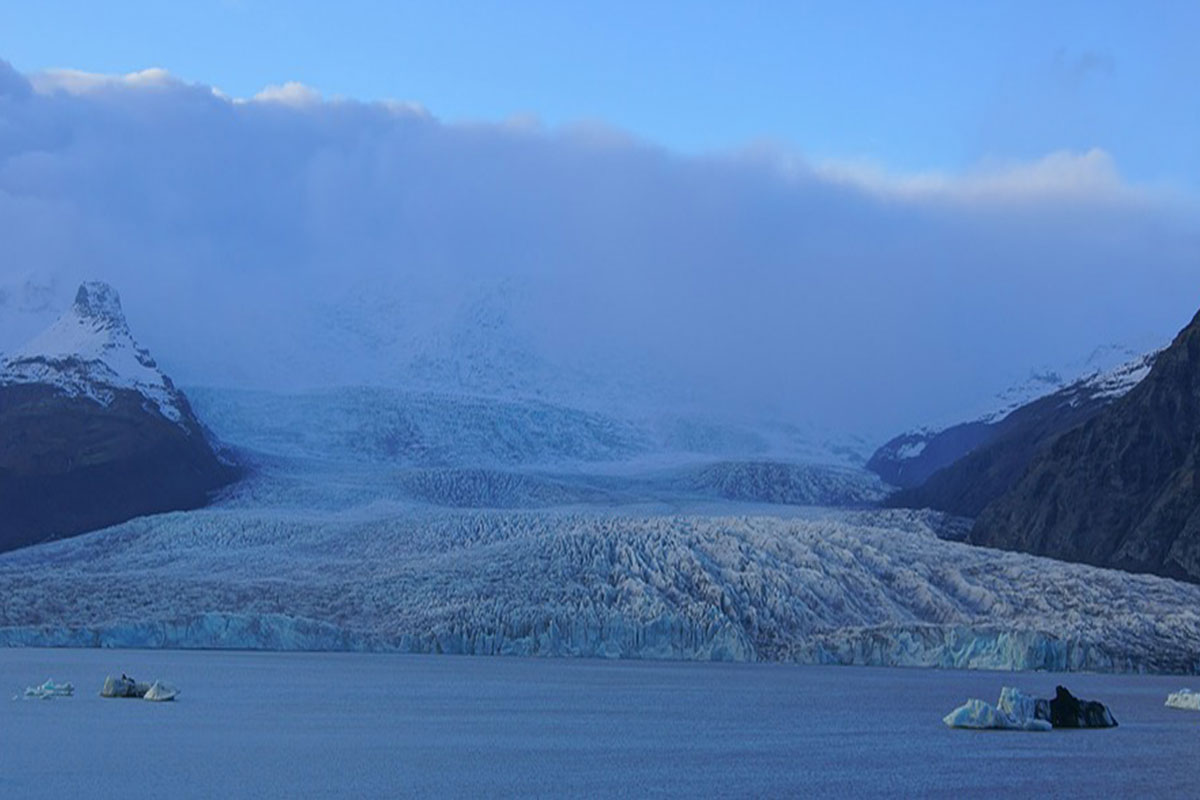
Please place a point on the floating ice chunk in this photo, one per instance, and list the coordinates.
(49, 690)
(1017, 712)
(976, 713)
(160, 692)
(1185, 699)
(123, 686)
(1024, 708)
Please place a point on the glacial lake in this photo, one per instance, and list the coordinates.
(288, 725)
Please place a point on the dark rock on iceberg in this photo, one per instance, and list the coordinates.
(1018, 711)
(1068, 711)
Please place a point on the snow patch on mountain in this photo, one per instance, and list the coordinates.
(909, 450)
(1109, 372)
(90, 352)
(1118, 381)
(1097, 385)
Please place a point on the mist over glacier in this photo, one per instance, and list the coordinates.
(289, 241)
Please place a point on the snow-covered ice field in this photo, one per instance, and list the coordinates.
(419, 524)
(289, 725)
(868, 588)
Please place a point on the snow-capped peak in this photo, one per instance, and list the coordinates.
(99, 302)
(93, 329)
(1109, 372)
(89, 351)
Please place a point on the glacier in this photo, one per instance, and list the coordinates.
(394, 521)
(862, 587)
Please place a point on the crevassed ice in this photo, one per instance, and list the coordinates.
(850, 588)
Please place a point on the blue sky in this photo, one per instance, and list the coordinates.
(909, 87)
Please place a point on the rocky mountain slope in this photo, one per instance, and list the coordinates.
(963, 468)
(92, 432)
(1123, 489)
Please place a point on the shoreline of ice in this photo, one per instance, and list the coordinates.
(918, 648)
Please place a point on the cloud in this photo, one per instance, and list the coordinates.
(289, 94)
(288, 240)
(76, 82)
(12, 83)
(1090, 177)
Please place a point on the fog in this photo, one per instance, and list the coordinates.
(289, 241)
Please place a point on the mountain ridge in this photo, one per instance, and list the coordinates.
(1123, 489)
(962, 468)
(92, 432)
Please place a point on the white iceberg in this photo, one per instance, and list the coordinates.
(1185, 699)
(49, 690)
(160, 692)
(1023, 708)
(1016, 711)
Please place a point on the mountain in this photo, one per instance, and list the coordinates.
(911, 458)
(1123, 489)
(963, 468)
(92, 432)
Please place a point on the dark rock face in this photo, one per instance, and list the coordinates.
(966, 486)
(1121, 490)
(69, 465)
(962, 469)
(1068, 711)
(897, 464)
(83, 445)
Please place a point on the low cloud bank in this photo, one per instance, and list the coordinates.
(291, 240)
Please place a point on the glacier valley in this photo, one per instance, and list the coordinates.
(379, 520)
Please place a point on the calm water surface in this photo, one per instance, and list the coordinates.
(276, 725)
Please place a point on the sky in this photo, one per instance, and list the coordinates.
(865, 216)
(913, 86)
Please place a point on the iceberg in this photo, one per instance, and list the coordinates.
(978, 714)
(160, 692)
(1025, 709)
(50, 690)
(1016, 711)
(1068, 711)
(123, 686)
(1185, 699)
(1019, 711)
